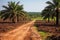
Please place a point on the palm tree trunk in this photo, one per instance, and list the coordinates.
(57, 17)
(17, 18)
(48, 19)
(13, 20)
(54, 19)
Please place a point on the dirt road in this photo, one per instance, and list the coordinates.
(24, 32)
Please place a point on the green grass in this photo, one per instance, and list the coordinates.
(38, 18)
(41, 18)
(43, 34)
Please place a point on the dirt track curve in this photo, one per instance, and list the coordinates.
(24, 32)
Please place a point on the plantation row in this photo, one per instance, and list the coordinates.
(47, 27)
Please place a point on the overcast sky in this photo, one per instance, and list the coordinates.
(29, 5)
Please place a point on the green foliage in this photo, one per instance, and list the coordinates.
(34, 15)
(43, 34)
(50, 10)
(13, 11)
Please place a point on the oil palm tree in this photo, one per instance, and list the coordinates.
(46, 13)
(12, 11)
(55, 5)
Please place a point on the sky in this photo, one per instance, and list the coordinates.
(28, 5)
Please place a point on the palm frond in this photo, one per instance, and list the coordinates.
(50, 3)
(5, 7)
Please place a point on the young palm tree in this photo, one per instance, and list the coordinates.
(55, 5)
(12, 11)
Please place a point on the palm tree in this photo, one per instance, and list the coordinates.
(55, 5)
(12, 11)
(46, 13)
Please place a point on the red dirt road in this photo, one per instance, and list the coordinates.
(24, 32)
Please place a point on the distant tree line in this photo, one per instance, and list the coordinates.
(34, 14)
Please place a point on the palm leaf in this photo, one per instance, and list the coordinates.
(50, 3)
(5, 7)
